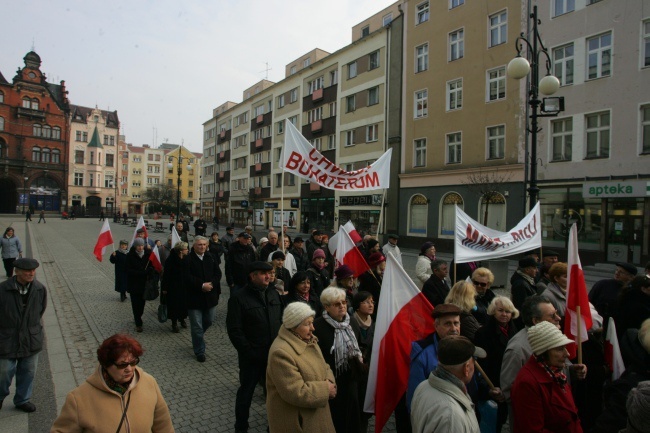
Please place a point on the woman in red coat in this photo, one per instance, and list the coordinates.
(541, 397)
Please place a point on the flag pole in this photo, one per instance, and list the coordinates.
(282, 210)
(579, 334)
(487, 379)
(381, 214)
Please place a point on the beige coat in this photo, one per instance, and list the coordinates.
(297, 388)
(94, 408)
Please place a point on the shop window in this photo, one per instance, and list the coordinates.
(417, 218)
(492, 211)
(448, 213)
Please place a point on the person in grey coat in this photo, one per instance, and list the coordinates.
(11, 250)
(22, 303)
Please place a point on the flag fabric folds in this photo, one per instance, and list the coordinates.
(576, 296)
(302, 159)
(347, 253)
(613, 356)
(352, 231)
(404, 316)
(105, 239)
(141, 225)
(175, 236)
(154, 258)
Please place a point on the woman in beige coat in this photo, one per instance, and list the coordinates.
(299, 382)
(118, 397)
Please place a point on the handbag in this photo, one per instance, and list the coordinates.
(162, 313)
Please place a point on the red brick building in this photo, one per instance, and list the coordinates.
(34, 137)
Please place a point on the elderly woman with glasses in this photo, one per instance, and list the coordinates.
(340, 348)
(118, 397)
(482, 278)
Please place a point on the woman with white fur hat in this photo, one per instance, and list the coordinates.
(299, 382)
(541, 396)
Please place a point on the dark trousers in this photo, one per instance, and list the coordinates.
(137, 305)
(250, 373)
(9, 266)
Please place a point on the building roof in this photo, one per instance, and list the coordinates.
(2, 79)
(136, 149)
(82, 114)
(94, 142)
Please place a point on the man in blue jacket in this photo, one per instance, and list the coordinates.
(22, 302)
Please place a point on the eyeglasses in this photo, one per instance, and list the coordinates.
(476, 283)
(126, 364)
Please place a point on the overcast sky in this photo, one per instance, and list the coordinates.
(164, 65)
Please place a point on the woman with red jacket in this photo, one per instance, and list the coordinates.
(541, 397)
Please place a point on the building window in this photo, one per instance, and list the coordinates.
(421, 102)
(47, 131)
(373, 96)
(420, 152)
(105, 140)
(562, 137)
(331, 142)
(280, 127)
(280, 101)
(291, 179)
(455, 3)
(352, 70)
(109, 160)
(365, 31)
(278, 180)
(597, 135)
(78, 136)
(496, 84)
(498, 28)
(79, 157)
(306, 62)
(350, 103)
(36, 154)
(2, 98)
(493, 206)
(45, 157)
(646, 43)
(84, 137)
(387, 19)
(496, 141)
(56, 133)
(316, 84)
(372, 133)
(315, 115)
(455, 95)
(2, 123)
(56, 156)
(599, 56)
(422, 58)
(349, 137)
(563, 6)
(454, 148)
(448, 213)
(334, 77)
(79, 179)
(563, 64)
(373, 60)
(422, 13)
(456, 45)
(293, 96)
(417, 218)
(37, 130)
(332, 109)
(292, 70)
(293, 120)
(645, 128)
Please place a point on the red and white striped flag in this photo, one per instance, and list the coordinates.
(576, 296)
(613, 356)
(141, 225)
(403, 316)
(349, 228)
(347, 253)
(154, 258)
(105, 239)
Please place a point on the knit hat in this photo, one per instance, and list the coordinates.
(264, 240)
(295, 313)
(375, 259)
(318, 253)
(343, 272)
(138, 242)
(545, 336)
(425, 246)
(638, 408)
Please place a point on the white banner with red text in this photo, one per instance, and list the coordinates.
(476, 242)
(302, 159)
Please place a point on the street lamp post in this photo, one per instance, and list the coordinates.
(179, 169)
(114, 184)
(520, 67)
(25, 179)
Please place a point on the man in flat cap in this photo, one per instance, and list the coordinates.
(253, 321)
(441, 403)
(604, 294)
(391, 247)
(22, 301)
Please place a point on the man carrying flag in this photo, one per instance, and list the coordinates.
(105, 239)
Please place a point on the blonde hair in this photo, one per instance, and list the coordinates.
(462, 295)
(505, 303)
(331, 295)
(180, 246)
(484, 272)
(557, 270)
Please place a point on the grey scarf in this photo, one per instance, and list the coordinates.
(345, 343)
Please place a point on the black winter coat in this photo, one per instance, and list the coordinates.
(490, 338)
(238, 262)
(198, 272)
(253, 321)
(435, 290)
(300, 256)
(174, 284)
(482, 303)
(319, 279)
(137, 270)
(314, 302)
(121, 281)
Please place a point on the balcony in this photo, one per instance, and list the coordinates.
(258, 143)
(258, 190)
(317, 125)
(258, 167)
(222, 134)
(220, 194)
(28, 112)
(222, 155)
(222, 174)
(317, 95)
(259, 119)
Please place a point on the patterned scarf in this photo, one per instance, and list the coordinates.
(556, 373)
(345, 343)
(117, 387)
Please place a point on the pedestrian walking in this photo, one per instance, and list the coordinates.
(118, 258)
(41, 217)
(11, 250)
(137, 273)
(102, 217)
(173, 287)
(23, 300)
(28, 215)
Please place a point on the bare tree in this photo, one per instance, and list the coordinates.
(162, 195)
(489, 186)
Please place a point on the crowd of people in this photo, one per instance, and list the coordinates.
(303, 329)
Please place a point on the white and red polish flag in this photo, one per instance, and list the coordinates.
(613, 356)
(105, 239)
(154, 258)
(141, 225)
(175, 236)
(352, 231)
(403, 316)
(576, 296)
(347, 253)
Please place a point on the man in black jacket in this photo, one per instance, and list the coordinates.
(253, 320)
(436, 287)
(238, 260)
(137, 272)
(299, 254)
(203, 289)
(523, 284)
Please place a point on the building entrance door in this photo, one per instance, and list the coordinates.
(625, 231)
